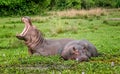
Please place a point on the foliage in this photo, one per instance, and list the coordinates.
(106, 3)
(66, 4)
(30, 7)
(21, 7)
(87, 4)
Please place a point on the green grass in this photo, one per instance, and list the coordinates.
(105, 35)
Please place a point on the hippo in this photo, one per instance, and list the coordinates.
(80, 50)
(35, 41)
(67, 48)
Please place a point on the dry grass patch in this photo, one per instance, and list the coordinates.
(62, 29)
(73, 12)
(40, 19)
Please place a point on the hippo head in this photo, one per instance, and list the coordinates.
(29, 30)
(77, 53)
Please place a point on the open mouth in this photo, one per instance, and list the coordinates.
(27, 22)
(24, 30)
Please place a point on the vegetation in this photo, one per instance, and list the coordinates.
(77, 24)
(34, 7)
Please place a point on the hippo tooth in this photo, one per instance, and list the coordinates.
(77, 59)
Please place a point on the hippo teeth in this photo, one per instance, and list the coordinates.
(77, 59)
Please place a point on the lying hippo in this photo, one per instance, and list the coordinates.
(80, 50)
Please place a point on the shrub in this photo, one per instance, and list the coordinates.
(34, 7)
(106, 3)
(21, 7)
(87, 4)
(67, 4)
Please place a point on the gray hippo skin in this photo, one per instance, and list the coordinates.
(80, 50)
(36, 43)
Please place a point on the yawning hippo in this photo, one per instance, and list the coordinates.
(36, 43)
(80, 50)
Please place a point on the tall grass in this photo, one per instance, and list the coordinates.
(73, 12)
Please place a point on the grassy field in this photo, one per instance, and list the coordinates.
(94, 25)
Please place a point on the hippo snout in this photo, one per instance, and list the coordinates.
(20, 37)
(82, 58)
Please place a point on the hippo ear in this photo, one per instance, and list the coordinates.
(85, 46)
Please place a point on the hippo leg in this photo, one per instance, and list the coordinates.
(36, 54)
(40, 53)
(30, 51)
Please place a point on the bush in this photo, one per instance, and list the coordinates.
(32, 7)
(106, 3)
(21, 7)
(87, 4)
(66, 4)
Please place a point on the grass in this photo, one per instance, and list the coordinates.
(73, 12)
(104, 34)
